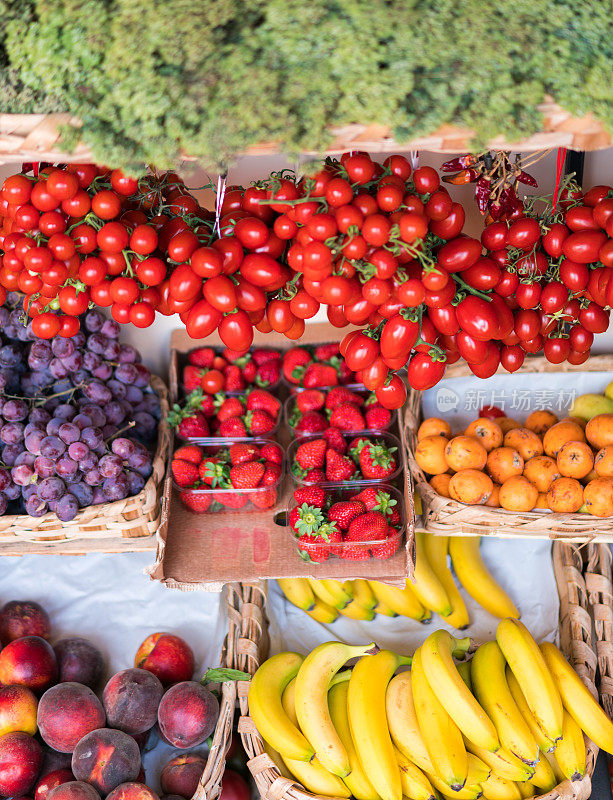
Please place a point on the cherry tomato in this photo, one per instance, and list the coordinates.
(376, 291)
(528, 294)
(556, 350)
(389, 197)
(142, 314)
(29, 283)
(112, 237)
(106, 204)
(605, 254)
(426, 180)
(354, 248)
(412, 227)
(504, 316)
(284, 227)
(336, 317)
(494, 236)
(393, 394)
(488, 367)
(580, 218)
(143, 240)
(91, 271)
(596, 194)
(375, 375)
(236, 330)
(185, 285)
(444, 319)
(284, 190)
(603, 212)
(279, 315)
(398, 337)
(202, 320)
(434, 279)
(52, 222)
(101, 293)
(303, 306)
(439, 205)
(231, 253)
(220, 293)
(580, 339)
(440, 297)
(477, 317)
(73, 302)
(411, 293)
(573, 276)
(365, 203)
(358, 311)
(583, 247)
(251, 232)
(360, 168)
(57, 273)
(42, 199)
(262, 270)
(508, 283)
(597, 284)
(17, 189)
(121, 313)
(182, 245)
(151, 271)
(594, 318)
(473, 351)
(376, 229)
(361, 352)
(527, 324)
(534, 345)
(250, 202)
(69, 326)
(512, 357)
(206, 262)
(123, 184)
(384, 262)
(484, 274)
(398, 165)
(424, 372)
(338, 192)
(452, 225)
(38, 259)
(524, 233)
(459, 254)
(554, 239)
(46, 325)
(337, 290)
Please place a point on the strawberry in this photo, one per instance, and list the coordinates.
(233, 355)
(191, 377)
(272, 452)
(369, 527)
(338, 467)
(357, 444)
(193, 427)
(378, 418)
(198, 501)
(207, 406)
(335, 440)
(345, 511)
(247, 476)
(317, 375)
(259, 422)
(189, 452)
(243, 452)
(185, 473)
(268, 374)
(264, 498)
(311, 422)
(347, 417)
(272, 473)
(306, 519)
(202, 357)
(311, 454)
(378, 500)
(261, 400)
(312, 495)
(315, 476)
(345, 375)
(324, 352)
(318, 548)
(233, 378)
(214, 472)
(233, 428)
(394, 517)
(376, 461)
(232, 499)
(310, 400)
(228, 407)
(263, 355)
(340, 394)
(389, 546)
(354, 552)
(250, 371)
(294, 363)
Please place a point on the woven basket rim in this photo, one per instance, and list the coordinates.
(599, 583)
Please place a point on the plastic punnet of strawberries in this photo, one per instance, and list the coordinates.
(220, 369)
(240, 476)
(335, 458)
(351, 525)
(314, 411)
(316, 366)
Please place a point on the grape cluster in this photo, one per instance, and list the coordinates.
(77, 417)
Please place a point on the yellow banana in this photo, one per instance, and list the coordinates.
(298, 592)
(313, 776)
(529, 667)
(526, 789)
(312, 684)
(463, 667)
(266, 709)
(415, 784)
(278, 760)
(331, 592)
(466, 793)
(492, 691)
(429, 590)
(577, 699)
(383, 609)
(441, 735)
(502, 763)
(546, 745)
(357, 781)
(544, 778)
(478, 770)
(495, 788)
(455, 697)
(322, 612)
(475, 578)
(555, 767)
(368, 721)
(570, 750)
(437, 549)
(402, 721)
(363, 595)
(355, 611)
(402, 601)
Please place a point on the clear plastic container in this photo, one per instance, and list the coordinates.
(358, 550)
(295, 388)
(290, 408)
(218, 351)
(387, 438)
(207, 500)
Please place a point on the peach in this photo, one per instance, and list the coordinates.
(470, 486)
(50, 781)
(575, 459)
(66, 713)
(169, 657)
(23, 618)
(29, 661)
(18, 706)
(74, 790)
(541, 501)
(540, 421)
(79, 661)
(430, 454)
(53, 760)
(141, 739)
(599, 431)
(598, 497)
(132, 791)
(541, 471)
(234, 786)
(485, 431)
(131, 699)
(465, 452)
(525, 441)
(504, 463)
(187, 714)
(180, 776)
(21, 758)
(565, 495)
(518, 494)
(105, 759)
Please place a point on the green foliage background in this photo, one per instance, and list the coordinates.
(153, 78)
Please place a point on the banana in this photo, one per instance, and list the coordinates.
(475, 578)
(322, 612)
(402, 721)
(298, 592)
(577, 699)
(383, 609)
(492, 691)
(495, 788)
(555, 767)
(402, 601)
(278, 761)
(357, 781)
(427, 587)
(441, 735)
(526, 789)
(529, 667)
(463, 667)
(266, 709)
(437, 549)
(368, 721)
(478, 770)
(437, 659)
(570, 751)
(356, 611)
(545, 744)
(312, 684)
(331, 592)
(414, 783)
(502, 763)
(466, 793)
(363, 595)
(544, 778)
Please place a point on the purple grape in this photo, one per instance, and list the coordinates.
(45, 467)
(35, 507)
(10, 355)
(10, 453)
(95, 413)
(98, 496)
(89, 462)
(128, 354)
(79, 339)
(78, 451)
(39, 415)
(126, 373)
(80, 377)
(92, 437)
(15, 410)
(57, 369)
(5, 316)
(111, 328)
(65, 411)
(25, 458)
(51, 489)
(114, 413)
(103, 372)
(109, 430)
(62, 347)
(146, 470)
(52, 447)
(145, 424)
(96, 343)
(12, 491)
(74, 362)
(5, 479)
(82, 492)
(134, 395)
(67, 508)
(33, 439)
(91, 360)
(11, 432)
(32, 427)
(53, 426)
(93, 321)
(98, 393)
(120, 390)
(136, 482)
(115, 488)
(4, 504)
(66, 467)
(93, 477)
(111, 351)
(22, 475)
(3, 380)
(83, 421)
(110, 465)
(122, 447)
(69, 432)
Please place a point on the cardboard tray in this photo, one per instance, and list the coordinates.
(205, 551)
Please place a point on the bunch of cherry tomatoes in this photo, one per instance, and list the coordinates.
(380, 245)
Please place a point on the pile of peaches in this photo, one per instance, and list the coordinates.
(564, 465)
(67, 735)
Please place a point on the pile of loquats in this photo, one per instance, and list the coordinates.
(561, 465)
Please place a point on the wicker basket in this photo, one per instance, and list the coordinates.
(137, 516)
(450, 517)
(575, 630)
(599, 582)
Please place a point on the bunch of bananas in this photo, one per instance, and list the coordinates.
(432, 590)
(505, 725)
